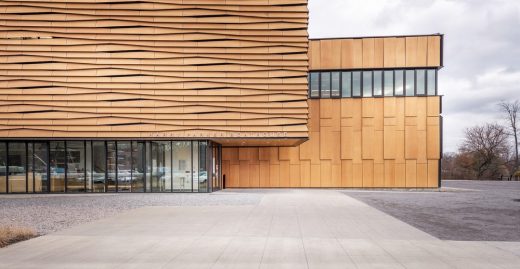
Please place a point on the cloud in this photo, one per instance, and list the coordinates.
(481, 49)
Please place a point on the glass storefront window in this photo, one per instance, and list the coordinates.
(30, 169)
(109, 166)
(124, 166)
(99, 166)
(182, 166)
(148, 174)
(111, 180)
(203, 166)
(76, 166)
(88, 165)
(17, 160)
(57, 166)
(161, 166)
(40, 162)
(138, 166)
(214, 170)
(3, 167)
(196, 179)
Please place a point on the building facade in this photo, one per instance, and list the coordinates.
(374, 120)
(194, 96)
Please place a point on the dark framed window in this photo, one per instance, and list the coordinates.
(314, 82)
(111, 166)
(373, 83)
(431, 81)
(346, 84)
(17, 168)
(3, 167)
(39, 159)
(399, 82)
(57, 165)
(389, 82)
(325, 85)
(335, 84)
(410, 82)
(76, 166)
(378, 83)
(356, 84)
(99, 166)
(420, 78)
(367, 83)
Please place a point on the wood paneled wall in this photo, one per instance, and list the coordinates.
(354, 142)
(153, 68)
(378, 52)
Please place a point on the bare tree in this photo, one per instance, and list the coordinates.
(511, 111)
(486, 149)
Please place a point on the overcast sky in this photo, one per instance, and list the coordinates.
(481, 48)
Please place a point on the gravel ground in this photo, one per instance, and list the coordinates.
(52, 212)
(463, 210)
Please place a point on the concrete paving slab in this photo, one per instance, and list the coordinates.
(286, 229)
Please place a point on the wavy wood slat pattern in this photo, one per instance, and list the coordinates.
(153, 68)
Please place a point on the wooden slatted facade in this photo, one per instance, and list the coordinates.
(230, 71)
(154, 69)
(386, 142)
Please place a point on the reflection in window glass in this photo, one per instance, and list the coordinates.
(432, 82)
(367, 83)
(148, 174)
(3, 167)
(346, 84)
(356, 84)
(161, 166)
(124, 166)
(182, 166)
(421, 81)
(389, 83)
(399, 82)
(88, 166)
(410, 83)
(111, 166)
(203, 169)
(378, 83)
(98, 166)
(30, 169)
(196, 178)
(335, 91)
(325, 85)
(17, 167)
(215, 166)
(314, 84)
(40, 167)
(138, 166)
(57, 166)
(75, 166)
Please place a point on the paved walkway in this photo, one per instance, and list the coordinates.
(287, 229)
